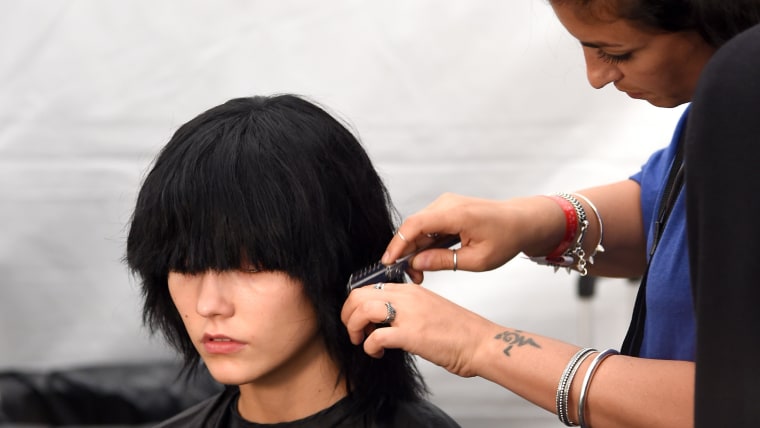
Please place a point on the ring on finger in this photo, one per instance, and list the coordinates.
(455, 259)
(390, 313)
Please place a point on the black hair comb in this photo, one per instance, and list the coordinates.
(379, 272)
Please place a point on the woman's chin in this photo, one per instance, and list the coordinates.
(227, 374)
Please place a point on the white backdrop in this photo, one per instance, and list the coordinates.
(481, 97)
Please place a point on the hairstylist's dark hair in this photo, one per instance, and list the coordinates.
(716, 20)
(276, 182)
(721, 20)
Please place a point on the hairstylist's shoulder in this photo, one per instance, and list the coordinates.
(422, 414)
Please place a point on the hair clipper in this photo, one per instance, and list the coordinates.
(379, 272)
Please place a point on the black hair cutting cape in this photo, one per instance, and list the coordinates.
(221, 412)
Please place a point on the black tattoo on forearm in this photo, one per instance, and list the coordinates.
(515, 338)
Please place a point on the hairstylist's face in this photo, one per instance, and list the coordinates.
(662, 68)
(251, 327)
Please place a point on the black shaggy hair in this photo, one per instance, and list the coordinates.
(277, 183)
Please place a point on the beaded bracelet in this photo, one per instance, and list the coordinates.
(598, 248)
(587, 381)
(577, 249)
(563, 388)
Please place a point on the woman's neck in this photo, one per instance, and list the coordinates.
(307, 386)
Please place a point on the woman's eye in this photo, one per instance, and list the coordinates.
(612, 59)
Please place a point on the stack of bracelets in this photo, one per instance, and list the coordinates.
(570, 252)
(563, 389)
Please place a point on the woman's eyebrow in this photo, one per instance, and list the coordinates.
(600, 45)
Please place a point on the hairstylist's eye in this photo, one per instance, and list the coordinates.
(612, 59)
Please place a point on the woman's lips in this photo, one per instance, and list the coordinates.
(632, 94)
(220, 344)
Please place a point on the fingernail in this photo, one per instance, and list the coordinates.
(418, 262)
(385, 260)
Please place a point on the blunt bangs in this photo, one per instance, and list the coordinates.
(269, 183)
(239, 190)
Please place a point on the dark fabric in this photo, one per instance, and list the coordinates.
(635, 335)
(221, 412)
(112, 395)
(723, 212)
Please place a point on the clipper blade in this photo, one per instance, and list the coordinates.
(379, 272)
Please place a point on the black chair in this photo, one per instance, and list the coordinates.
(108, 395)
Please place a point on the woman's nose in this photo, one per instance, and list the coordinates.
(212, 297)
(599, 72)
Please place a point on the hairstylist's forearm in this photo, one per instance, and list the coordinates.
(494, 232)
(537, 224)
(624, 392)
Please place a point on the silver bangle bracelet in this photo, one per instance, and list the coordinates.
(598, 248)
(587, 381)
(563, 388)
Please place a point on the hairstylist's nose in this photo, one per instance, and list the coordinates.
(211, 297)
(598, 71)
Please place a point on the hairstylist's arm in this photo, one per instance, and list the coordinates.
(493, 232)
(624, 392)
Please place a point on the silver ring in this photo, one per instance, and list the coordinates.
(401, 235)
(455, 259)
(390, 313)
(379, 286)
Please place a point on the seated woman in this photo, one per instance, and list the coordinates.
(243, 237)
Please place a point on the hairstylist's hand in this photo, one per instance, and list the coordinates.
(492, 232)
(425, 324)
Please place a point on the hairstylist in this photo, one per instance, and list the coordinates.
(651, 50)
